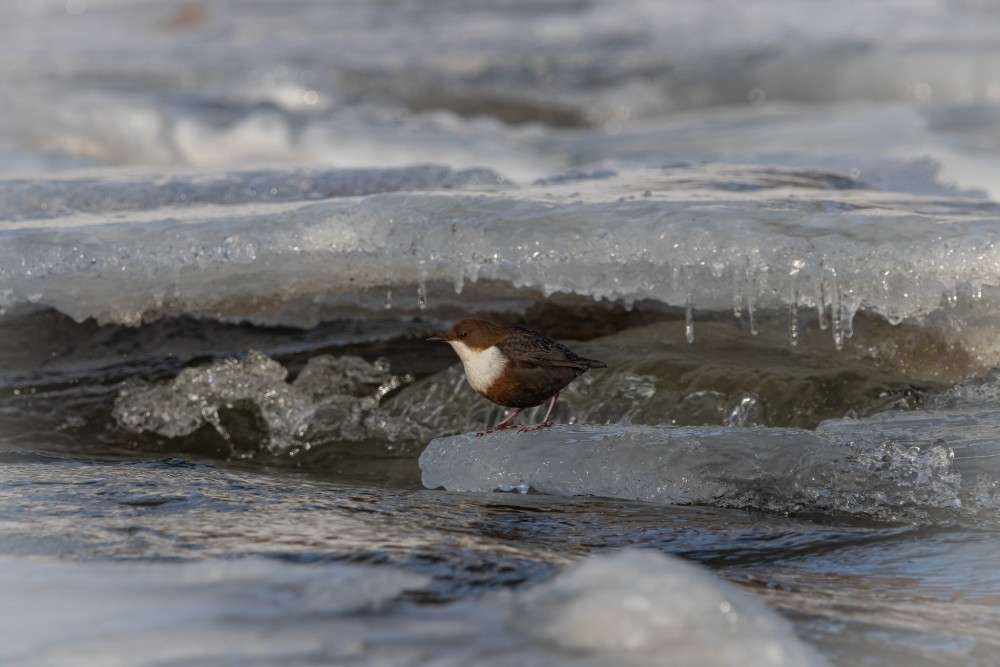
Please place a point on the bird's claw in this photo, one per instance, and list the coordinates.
(500, 427)
(536, 427)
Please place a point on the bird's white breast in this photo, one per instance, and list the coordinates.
(482, 367)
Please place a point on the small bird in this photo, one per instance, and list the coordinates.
(514, 367)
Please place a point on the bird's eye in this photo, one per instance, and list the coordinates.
(463, 334)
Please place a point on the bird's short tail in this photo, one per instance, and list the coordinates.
(594, 363)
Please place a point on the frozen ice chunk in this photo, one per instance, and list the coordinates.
(980, 392)
(642, 603)
(340, 394)
(965, 419)
(196, 396)
(781, 470)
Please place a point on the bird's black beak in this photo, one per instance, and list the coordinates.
(437, 339)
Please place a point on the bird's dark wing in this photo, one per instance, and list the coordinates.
(527, 348)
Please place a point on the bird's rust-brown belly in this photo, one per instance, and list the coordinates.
(527, 387)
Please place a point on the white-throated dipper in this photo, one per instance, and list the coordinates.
(513, 366)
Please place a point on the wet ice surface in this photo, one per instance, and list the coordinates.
(782, 470)
(912, 465)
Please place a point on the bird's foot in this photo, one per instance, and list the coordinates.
(499, 427)
(504, 427)
(536, 427)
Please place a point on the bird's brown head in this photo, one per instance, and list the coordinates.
(476, 334)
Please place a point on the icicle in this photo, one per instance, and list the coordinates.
(388, 298)
(793, 317)
(689, 320)
(821, 302)
(836, 313)
(688, 307)
(422, 286)
(793, 301)
(752, 300)
(737, 292)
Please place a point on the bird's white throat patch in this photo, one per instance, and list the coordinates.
(482, 367)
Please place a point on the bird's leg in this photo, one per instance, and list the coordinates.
(545, 423)
(503, 426)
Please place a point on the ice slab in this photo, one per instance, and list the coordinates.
(779, 470)
(708, 238)
(87, 192)
(627, 608)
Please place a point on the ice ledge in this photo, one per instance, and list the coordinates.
(782, 470)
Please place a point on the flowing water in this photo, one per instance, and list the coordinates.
(227, 230)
